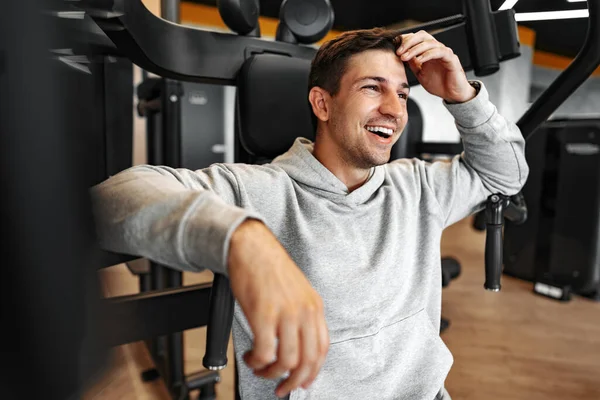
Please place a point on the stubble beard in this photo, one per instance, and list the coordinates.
(358, 154)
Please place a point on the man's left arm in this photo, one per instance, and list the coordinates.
(493, 160)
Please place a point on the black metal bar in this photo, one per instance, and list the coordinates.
(439, 148)
(203, 378)
(158, 273)
(171, 137)
(214, 57)
(108, 259)
(158, 280)
(147, 315)
(570, 79)
(154, 139)
(169, 10)
(433, 25)
(145, 282)
(175, 356)
(171, 122)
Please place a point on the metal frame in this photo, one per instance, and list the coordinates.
(214, 57)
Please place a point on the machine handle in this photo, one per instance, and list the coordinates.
(493, 257)
(218, 329)
(494, 214)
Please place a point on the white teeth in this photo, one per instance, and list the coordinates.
(386, 131)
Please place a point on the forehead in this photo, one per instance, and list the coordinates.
(383, 63)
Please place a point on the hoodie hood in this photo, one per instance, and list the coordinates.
(300, 164)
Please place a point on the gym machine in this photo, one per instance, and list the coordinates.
(558, 246)
(59, 302)
(480, 38)
(544, 244)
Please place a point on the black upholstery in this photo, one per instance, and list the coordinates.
(407, 145)
(273, 108)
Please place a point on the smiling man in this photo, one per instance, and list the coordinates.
(332, 251)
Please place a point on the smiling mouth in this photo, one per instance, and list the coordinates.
(380, 131)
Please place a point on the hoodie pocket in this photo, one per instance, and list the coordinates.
(403, 360)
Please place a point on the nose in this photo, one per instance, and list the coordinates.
(392, 106)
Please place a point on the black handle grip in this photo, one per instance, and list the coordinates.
(220, 318)
(494, 219)
(493, 257)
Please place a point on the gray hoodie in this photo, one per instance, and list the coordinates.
(373, 254)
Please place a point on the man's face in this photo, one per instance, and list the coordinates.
(368, 114)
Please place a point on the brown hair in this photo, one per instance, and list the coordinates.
(331, 61)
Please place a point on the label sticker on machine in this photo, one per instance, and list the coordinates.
(583, 149)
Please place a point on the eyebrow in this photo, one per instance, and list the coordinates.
(380, 79)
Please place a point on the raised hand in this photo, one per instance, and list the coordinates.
(436, 67)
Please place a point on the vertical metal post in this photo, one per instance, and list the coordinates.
(171, 134)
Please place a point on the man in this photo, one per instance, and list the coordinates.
(332, 252)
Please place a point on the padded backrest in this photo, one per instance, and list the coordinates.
(272, 104)
(272, 109)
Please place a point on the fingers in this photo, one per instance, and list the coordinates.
(437, 53)
(418, 48)
(303, 346)
(264, 349)
(288, 355)
(308, 361)
(412, 39)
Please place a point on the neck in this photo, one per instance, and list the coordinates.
(328, 154)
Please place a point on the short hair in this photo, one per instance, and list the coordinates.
(331, 61)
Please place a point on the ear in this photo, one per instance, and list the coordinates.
(320, 101)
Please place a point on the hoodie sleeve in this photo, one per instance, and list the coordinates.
(493, 160)
(180, 218)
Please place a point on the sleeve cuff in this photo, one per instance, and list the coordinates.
(206, 236)
(474, 112)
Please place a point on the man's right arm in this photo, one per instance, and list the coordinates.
(190, 220)
(180, 218)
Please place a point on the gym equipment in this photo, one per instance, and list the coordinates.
(240, 16)
(558, 247)
(133, 31)
(304, 21)
(148, 42)
(199, 58)
(514, 209)
(60, 133)
(450, 271)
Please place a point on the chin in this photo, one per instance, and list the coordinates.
(375, 160)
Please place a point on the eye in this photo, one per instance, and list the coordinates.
(403, 95)
(371, 87)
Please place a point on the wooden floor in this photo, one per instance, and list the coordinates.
(507, 345)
